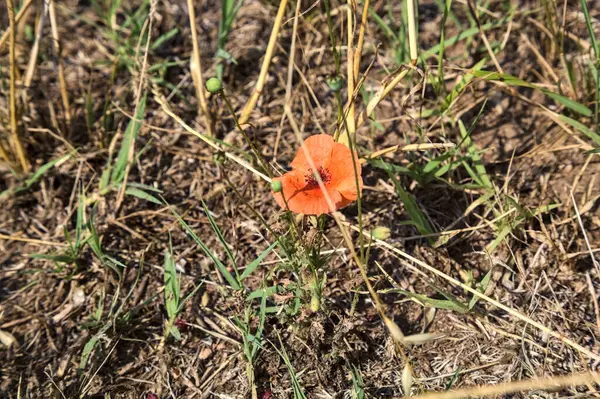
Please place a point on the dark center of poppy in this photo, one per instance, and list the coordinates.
(311, 180)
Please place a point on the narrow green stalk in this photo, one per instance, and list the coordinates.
(590, 28)
(250, 143)
(447, 5)
(259, 216)
(340, 115)
(332, 38)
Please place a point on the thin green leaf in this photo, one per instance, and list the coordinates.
(219, 234)
(90, 345)
(514, 81)
(582, 128)
(37, 175)
(222, 269)
(482, 286)
(412, 208)
(261, 292)
(163, 38)
(54, 258)
(481, 173)
(256, 262)
(434, 303)
(129, 137)
(136, 192)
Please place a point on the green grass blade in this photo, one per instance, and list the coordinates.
(582, 128)
(296, 387)
(136, 192)
(129, 136)
(480, 174)
(171, 284)
(514, 81)
(482, 286)
(446, 304)
(163, 38)
(222, 269)
(256, 262)
(219, 234)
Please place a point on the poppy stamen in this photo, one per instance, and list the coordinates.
(311, 180)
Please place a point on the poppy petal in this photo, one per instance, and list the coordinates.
(290, 183)
(319, 147)
(341, 168)
(313, 202)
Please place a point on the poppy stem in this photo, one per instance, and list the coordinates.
(291, 216)
(239, 127)
(340, 116)
(258, 215)
(351, 145)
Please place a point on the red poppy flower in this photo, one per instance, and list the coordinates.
(333, 162)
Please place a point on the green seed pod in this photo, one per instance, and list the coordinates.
(335, 83)
(276, 186)
(315, 302)
(381, 233)
(214, 85)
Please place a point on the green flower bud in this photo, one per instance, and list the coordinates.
(315, 302)
(214, 85)
(381, 233)
(276, 186)
(335, 83)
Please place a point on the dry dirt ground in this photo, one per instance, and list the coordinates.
(50, 311)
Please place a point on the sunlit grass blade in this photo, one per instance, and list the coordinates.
(588, 21)
(221, 238)
(480, 175)
(220, 266)
(35, 177)
(296, 387)
(139, 193)
(256, 262)
(131, 132)
(514, 81)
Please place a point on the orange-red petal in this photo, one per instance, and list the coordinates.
(319, 146)
(300, 199)
(290, 183)
(343, 177)
(313, 202)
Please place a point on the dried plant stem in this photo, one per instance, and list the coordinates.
(262, 78)
(475, 14)
(380, 95)
(290, 76)
(361, 39)
(4, 154)
(32, 241)
(163, 103)
(196, 71)
(511, 311)
(61, 72)
(549, 383)
(407, 148)
(349, 123)
(33, 56)
(18, 17)
(14, 135)
(412, 31)
(400, 73)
